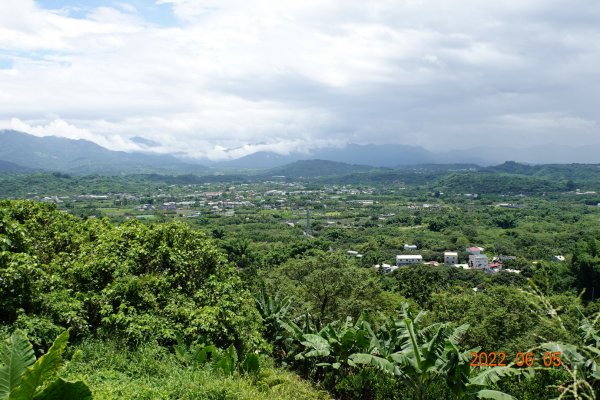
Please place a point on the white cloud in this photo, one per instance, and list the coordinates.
(291, 75)
(59, 127)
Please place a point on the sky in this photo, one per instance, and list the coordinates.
(221, 79)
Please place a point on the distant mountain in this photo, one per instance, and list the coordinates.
(6, 166)
(378, 155)
(542, 154)
(261, 160)
(317, 168)
(82, 156)
(399, 156)
(371, 154)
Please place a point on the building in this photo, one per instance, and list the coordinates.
(386, 268)
(432, 263)
(474, 250)
(479, 261)
(450, 258)
(494, 266)
(558, 258)
(408, 260)
(51, 199)
(170, 206)
(353, 253)
(410, 247)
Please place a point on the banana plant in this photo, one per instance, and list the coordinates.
(327, 350)
(274, 312)
(420, 355)
(400, 347)
(293, 336)
(22, 377)
(581, 362)
(225, 361)
(194, 354)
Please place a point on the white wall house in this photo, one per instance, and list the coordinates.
(410, 247)
(387, 268)
(479, 261)
(450, 258)
(408, 260)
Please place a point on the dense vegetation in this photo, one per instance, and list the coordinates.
(235, 294)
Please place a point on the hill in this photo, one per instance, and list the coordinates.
(317, 168)
(260, 160)
(497, 183)
(6, 166)
(375, 155)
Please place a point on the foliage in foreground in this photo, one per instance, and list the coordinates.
(132, 282)
(22, 377)
(424, 360)
(153, 372)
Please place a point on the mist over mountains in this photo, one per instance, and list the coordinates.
(21, 152)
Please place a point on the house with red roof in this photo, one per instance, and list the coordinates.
(474, 250)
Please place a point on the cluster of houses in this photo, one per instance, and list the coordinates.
(477, 260)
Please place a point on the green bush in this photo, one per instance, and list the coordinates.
(152, 372)
(133, 281)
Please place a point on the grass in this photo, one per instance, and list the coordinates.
(152, 372)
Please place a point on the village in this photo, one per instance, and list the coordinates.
(477, 260)
(385, 227)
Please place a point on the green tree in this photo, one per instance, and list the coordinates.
(327, 285)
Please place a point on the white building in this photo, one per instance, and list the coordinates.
(386, 268)
(558, 258)
(432, 263)
(408, 260)
(479, 261)
(450, 258)
(353, 253)
(410, 247)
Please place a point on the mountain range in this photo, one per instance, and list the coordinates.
(53, 153)
(22, 152)
(397, 155)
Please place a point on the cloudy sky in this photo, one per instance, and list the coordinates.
(224, 78)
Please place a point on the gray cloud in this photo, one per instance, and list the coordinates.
(284, 76)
